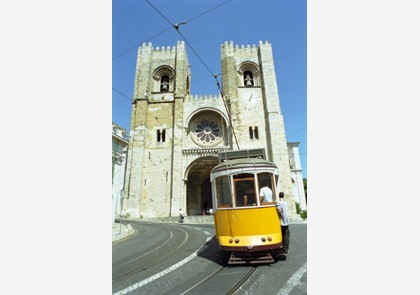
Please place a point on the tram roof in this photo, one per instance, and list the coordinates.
(243, 163)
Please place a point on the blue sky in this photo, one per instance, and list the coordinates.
(209, 24)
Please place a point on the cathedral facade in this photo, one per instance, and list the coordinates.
(175, 137)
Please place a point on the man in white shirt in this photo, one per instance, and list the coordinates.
(284, 219)
(266, 195)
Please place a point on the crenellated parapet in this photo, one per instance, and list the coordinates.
(228, 48)
(149, 47)
(209, 97)
(161, 50)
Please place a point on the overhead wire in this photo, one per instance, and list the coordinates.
(284, 113)
(131, 101)
(167, 29)
(198, 56)
(205, 12)
(161, 14)
(272, 59)
(129, 98)
(176, 27)
(203, 78)
(137, 45)
(300, 130)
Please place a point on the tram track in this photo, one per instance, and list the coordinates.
(158, 254)
(242, 281)
(237, 277)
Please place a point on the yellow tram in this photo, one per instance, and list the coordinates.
(245, 225)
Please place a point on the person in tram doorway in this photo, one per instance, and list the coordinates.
(266, 194)
(284, 219)
(181, 216)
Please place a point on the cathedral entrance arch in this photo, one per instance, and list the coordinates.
(198, 184)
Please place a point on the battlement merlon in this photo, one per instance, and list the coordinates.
(183, 70)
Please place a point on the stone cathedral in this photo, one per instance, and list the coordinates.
(175, 136)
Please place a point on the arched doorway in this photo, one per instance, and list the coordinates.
(198, 185)
(206, 195)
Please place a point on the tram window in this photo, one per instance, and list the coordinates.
(244, 190)
(266, 179)
(224, 198)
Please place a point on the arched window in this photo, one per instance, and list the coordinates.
(164, 83)
(248, 79)
(163, 79)
(161, 134)
(249, 74)
(253, 132)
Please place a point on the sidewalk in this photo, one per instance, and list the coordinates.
(121, 231)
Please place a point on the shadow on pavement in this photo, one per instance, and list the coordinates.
(211, 251)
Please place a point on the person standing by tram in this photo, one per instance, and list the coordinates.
(284, 217)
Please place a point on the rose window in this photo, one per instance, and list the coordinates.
(207, 132)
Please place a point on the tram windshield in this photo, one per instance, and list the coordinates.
(244, 185)
(248, 190)
(224, 199)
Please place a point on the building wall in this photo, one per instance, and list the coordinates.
(296, 173)
(119, 148)
(165, 175)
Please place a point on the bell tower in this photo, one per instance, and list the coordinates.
(162, 82)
